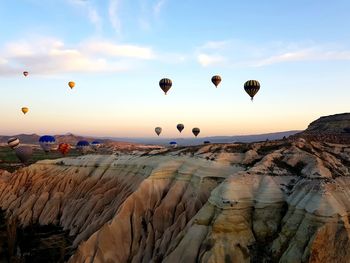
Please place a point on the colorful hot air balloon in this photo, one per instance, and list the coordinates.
(13, 142)
(165, 84)
(216, 80)
(47, 143)
(95, 145)
(25, 73)
(83, 146)
(158, 130)
(180, 127)
(63, 148)
(71, 84)
(173, 144)
(24, 153)
(24, 110)
(196, 131)
(252, 87)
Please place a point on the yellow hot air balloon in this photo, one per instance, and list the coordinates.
(71, 84)
(25, 110)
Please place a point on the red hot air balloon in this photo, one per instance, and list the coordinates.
(63, 148)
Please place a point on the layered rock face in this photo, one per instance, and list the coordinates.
(282, 201)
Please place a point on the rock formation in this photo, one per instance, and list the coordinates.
(277, 201)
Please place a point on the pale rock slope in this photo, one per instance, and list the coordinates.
(279, 201)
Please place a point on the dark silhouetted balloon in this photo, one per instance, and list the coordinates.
(180, 127)
(63, 148)
(252, 87)
(216, 80)
(13, 142)
(158, 130)
(24, 153)
(165, 84)
(196, 131)
(47, 142)
(25, 73)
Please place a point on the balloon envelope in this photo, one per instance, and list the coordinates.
(25, 110)
(158, 130)
(180, 127)
(83, 146)
(95, 145)
(173, 144)
(196, 131)
(63, 148)
(13, 142)
(25, 73)
(165, 84)
(47, 142)
(71, 84)
(252, 87)
(24, 153)
(216, 80)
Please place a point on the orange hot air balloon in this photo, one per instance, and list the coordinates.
(71, 84)
(64, 148)
(25, 73)
(25, 110)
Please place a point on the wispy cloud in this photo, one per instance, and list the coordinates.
(113, 12)
(240, 54)
(157, 7)
(91, 11)
(52, 56)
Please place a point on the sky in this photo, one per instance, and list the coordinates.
(116, 51)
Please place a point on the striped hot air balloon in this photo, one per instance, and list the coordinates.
(13, 142)
(165, 84)
(252, 87)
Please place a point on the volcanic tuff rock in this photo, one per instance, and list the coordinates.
(279, 201)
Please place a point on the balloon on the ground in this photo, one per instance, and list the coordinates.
(206, 142)
(165, 84)
(180, 127)
(196, 131)
(83, 146)
(71, 84)
(47, 143)
(158, 130)
(24, 153)
(13, 142)
(252, 87)
(216, 80)
(173, 144)
(25, 73)
(95, 145)
(25, 110)
(63, 148)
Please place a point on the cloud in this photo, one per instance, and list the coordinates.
(157, 7)
(210, 60)
(240, 54)
(90, 10)
(52, 56)
(114, 15)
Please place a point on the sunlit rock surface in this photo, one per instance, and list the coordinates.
(279, 201)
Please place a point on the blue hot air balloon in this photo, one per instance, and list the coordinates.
(95, 145)
(173, 144)
(47, 142)
(206, 142)
(83, 146)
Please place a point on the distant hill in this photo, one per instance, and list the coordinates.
(212, 139)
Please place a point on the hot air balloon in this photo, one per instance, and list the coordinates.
(158, 130)
(71, 84)
(24, 153)
(252, 87)
(63, 148)
(206, 142)
(180, 127)
(165, 84)
(83, 146)
(95, 145)
(47, 142)
(196, 131)
(25, 73)
(216, 80)
(24, 110)
(173, 144)
(13, 142)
